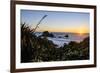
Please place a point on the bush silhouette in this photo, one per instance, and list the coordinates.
(26, 43)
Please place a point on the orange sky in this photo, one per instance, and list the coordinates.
(75, 22)
(79, 29)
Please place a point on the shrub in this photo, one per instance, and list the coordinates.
(26, 43)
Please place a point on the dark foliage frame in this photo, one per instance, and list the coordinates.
(13, 32)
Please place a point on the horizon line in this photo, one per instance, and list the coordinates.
(62, 32)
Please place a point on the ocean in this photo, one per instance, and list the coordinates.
(59, 38)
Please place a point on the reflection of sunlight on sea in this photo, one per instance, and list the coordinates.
(59, 39)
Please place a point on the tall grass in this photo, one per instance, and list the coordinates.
(26, 43)
(37, 49)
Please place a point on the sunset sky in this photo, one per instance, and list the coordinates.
(74, 22)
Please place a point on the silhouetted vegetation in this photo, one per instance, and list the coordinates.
(37, 49)
(26, 43)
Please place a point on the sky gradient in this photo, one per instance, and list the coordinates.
(57, 21)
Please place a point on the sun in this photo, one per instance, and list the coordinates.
(81, 31)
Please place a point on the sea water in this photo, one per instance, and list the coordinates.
(59, 38)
